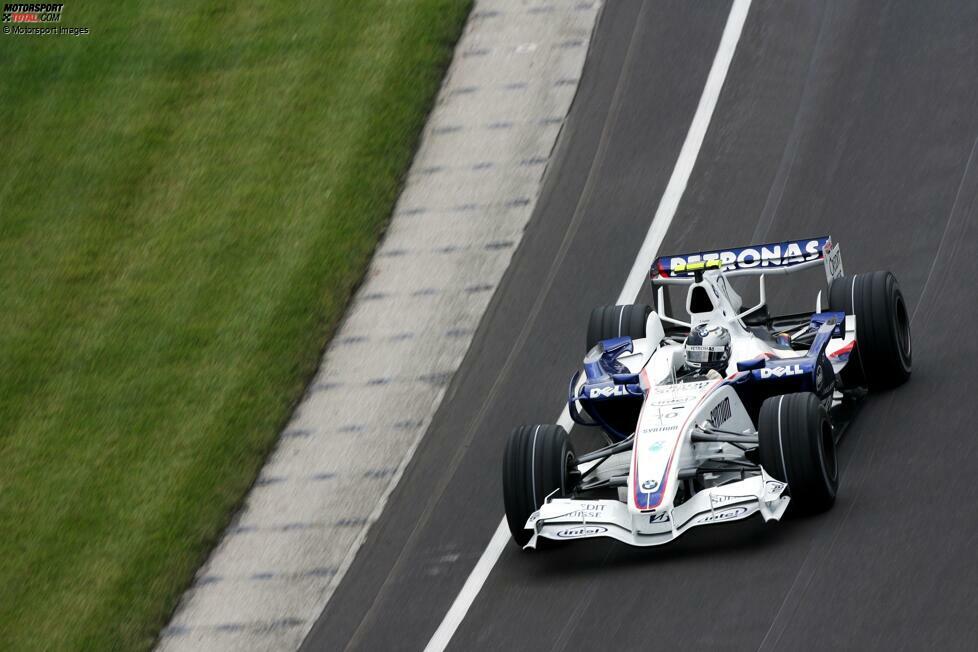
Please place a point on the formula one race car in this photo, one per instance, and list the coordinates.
(714, 419)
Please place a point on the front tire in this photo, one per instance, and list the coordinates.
(883, 349)
(796, 446)
(538, 461)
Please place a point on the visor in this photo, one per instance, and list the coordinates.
(706, 354)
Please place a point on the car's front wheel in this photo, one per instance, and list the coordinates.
(539, 461)
(796, 446)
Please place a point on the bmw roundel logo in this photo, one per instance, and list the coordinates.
(650, 485)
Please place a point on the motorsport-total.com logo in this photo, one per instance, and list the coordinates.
(14, 12)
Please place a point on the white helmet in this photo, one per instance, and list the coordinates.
(708, 348)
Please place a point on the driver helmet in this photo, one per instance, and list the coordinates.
(708, 348)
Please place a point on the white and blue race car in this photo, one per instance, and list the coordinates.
(688, 448)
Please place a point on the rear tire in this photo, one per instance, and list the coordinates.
(538, 460)
(883, 347)
(608, 322)
(796, 446)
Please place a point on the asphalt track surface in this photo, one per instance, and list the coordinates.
(855, 119)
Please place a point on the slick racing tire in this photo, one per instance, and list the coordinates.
(608, 322)
(883, 350)
(538, 461)
(796, 446)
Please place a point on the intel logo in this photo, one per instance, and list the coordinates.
(725, 515)
(584, 531)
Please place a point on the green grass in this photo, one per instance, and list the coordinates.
(188, 197)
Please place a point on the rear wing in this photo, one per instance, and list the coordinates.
(772, 258)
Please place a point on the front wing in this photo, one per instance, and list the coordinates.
(563, 519)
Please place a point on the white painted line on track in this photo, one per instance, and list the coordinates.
(633, 284)
(687, 155)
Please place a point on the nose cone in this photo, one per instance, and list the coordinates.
(651, 494)
(659, 436)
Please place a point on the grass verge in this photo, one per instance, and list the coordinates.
(189, 195)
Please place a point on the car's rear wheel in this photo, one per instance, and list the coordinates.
(539, 460)
(608, 322)
(796, 446)
(883, 346)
